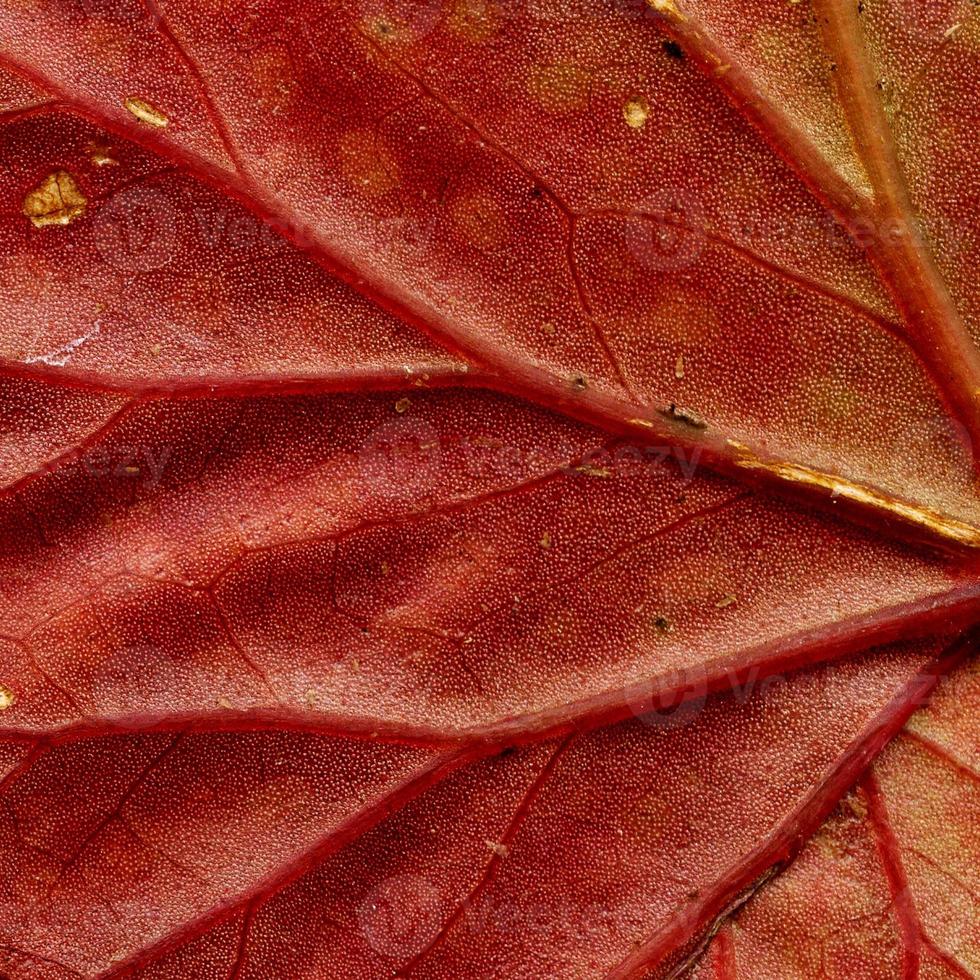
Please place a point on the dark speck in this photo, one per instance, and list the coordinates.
(674, 50)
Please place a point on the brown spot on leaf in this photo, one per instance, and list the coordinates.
(684, 415)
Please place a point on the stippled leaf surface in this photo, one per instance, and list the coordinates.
(385, 385)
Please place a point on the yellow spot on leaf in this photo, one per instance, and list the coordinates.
(402, 405)
(146, 113)
(57, 200)
(545, 541)
(475, 20)
(560, 86)
(274, 79)
(6, 698)
(635, 113)
(366, 164)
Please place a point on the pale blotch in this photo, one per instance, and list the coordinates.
(684, 317)
(272, 71)
(57, 200)
(481, 221)
(474, 20)
(145, 112)
(774, 47)
(6, 698)
(366, 164)
(830, 396)
(560, 86)
(635, 112)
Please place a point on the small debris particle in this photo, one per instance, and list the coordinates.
(146, 113)
(600, 472)
(132, 470)
(579, 383)
(857, 806)
(6, 698)
(402, 405)
(635, 113)
(224, 703)
(643, 423)
(155, 350)
(663, 624)
(57, 200)
(100, 155)
(679, 367)
(501, 850)
(545, 541)
(952, 31)
(310, 697)
(685, 415)
(725, 601)
(673, 50)
(385, 568)
(548, 328)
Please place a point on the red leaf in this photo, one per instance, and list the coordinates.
(888, 887)
(561, 859)
(710, 268)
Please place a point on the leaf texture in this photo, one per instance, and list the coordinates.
(488, 489)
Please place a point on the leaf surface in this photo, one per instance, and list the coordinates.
(508, 151)
(560, 857)
(888, 886)
(454, 460)
(441, 573)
